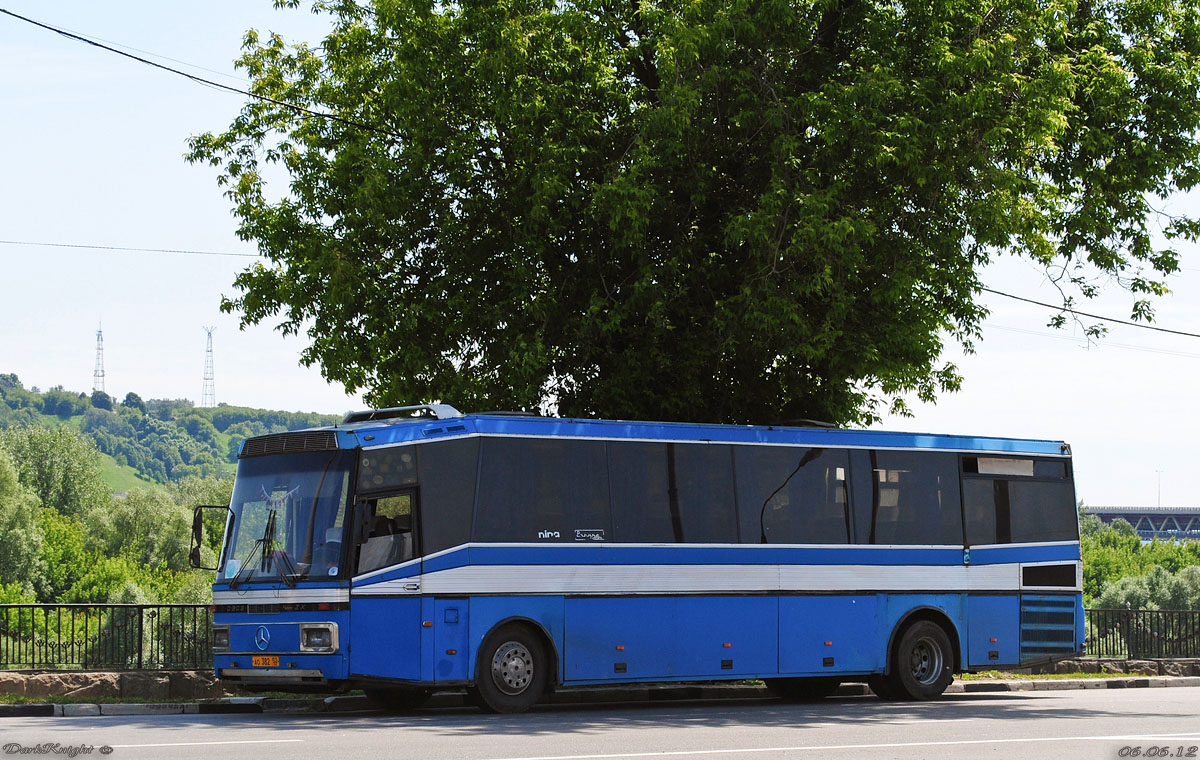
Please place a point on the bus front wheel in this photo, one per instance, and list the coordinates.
(512, 671)
(922, 665)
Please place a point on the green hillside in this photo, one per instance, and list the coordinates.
(148, 441)
(120, 478)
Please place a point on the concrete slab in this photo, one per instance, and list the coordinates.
(79, 711)
(144, 708)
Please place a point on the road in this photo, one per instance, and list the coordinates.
(1024, 725)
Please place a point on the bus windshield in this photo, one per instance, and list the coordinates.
(289, 516)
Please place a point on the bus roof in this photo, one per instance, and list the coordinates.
(405, 429)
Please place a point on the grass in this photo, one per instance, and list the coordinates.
(118, 477)
(992, 675)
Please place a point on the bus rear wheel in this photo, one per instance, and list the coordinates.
(513, 670)
(922, 664)
(802, 689)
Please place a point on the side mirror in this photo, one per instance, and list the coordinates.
(198, 534)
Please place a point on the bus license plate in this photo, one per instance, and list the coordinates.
(264, 662)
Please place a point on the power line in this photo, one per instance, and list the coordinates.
(1061, 307)
(1093, 344)
(127, 248)
(208, 82)
(152, 54)
(255, 255)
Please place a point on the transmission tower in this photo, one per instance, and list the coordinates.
(98, 374)
(209, 397)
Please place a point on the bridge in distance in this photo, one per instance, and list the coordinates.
(1155, 522)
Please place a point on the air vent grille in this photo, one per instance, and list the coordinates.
(287, 443)
(1047, 626)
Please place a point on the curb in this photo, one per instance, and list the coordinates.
(595, 695)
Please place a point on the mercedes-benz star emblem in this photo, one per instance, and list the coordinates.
(262, 637)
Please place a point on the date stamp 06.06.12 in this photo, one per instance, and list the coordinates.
(1159, 750)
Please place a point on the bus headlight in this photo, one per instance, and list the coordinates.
(318, 637)
(220, 638)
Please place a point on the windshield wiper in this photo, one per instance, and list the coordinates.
(264, 548)
(269, 554)
(246, 562)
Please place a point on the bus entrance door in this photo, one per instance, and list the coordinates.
(385, 594)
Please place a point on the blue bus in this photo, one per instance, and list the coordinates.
(417, 548)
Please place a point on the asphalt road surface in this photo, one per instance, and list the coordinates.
(1113, 723)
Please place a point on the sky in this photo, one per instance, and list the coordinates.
(91, 153)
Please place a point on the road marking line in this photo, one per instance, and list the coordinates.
(924, 722)
(205, 744)
(832, 747)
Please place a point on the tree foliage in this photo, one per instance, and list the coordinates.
(734, 210)
(1157, 589)
(1119, 570)
(65, 538)
(20, 535)
(59, 466)
(65, 555)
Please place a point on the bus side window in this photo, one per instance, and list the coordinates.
(542, 489)
(916, 498)
(390, 538)
(701, 475)
(641, 501)
(792, 494)
(447, 470)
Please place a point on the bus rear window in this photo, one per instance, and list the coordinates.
(1025, 502)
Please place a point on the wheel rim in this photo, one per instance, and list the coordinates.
(926, 661)
(512, 667)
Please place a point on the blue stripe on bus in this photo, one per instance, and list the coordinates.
(720, 555)
(1000, 554)
(615, 554)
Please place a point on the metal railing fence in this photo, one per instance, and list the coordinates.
(1143, 634)
(178, 636)
(105, 636)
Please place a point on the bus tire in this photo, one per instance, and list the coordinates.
(803, 689)
(512, 671)
(923, 662)
(398, 699)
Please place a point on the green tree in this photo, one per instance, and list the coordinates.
(1089, 524)
(62, 404)
(20, 534)
(134, 401)
(64, 555)
(101, 400)
(721, 210)
(15, 593)
(61, 467)
(150, 528)
(1157, 589)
